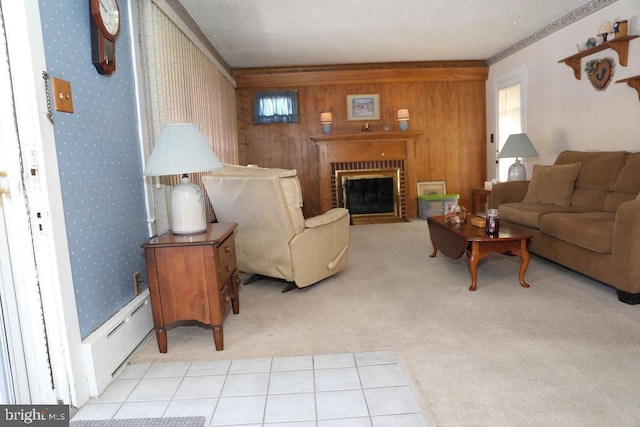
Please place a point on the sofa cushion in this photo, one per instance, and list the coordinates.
(597, 175)
(626, 186)
(529, 214)
(592, 230)
(552, 185)
(614, 200)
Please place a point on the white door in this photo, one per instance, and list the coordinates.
(14, 381)
(13, 373)
(42, 336)
(7, 390)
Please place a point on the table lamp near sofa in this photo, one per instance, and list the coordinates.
(517, 145)
(182, 149)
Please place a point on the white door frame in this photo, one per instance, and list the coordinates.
(517, 76)
(36, 233)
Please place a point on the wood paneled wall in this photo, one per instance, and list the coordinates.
(446, 101)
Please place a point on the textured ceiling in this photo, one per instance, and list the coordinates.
(268, 33)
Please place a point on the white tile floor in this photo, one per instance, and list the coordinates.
(346, 390)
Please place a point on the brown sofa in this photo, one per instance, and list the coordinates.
(584, 213)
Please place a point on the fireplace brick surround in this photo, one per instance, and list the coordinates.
(369, 150)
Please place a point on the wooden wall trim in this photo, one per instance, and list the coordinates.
(313, 76)
(368, 66)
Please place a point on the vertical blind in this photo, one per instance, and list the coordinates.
(182, 85)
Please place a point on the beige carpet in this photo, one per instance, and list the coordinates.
(562, 352)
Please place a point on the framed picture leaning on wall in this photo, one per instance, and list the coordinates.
(430, 188)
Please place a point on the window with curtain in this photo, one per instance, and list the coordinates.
(511, 113)
(276, 107)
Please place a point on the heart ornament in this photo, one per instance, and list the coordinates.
(600, 72)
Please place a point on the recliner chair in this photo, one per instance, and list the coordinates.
(273, 238)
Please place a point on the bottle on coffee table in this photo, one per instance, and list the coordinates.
(493, 223)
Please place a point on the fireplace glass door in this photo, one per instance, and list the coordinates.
(369, 193)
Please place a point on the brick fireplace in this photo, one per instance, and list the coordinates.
(375, 151)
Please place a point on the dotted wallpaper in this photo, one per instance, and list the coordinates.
(99, 162)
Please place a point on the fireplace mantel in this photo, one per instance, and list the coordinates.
(365, 147)
(366, 136)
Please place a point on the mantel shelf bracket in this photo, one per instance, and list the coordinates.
(633, 82)
(620, 45)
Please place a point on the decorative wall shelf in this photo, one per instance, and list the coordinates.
(619, 44)
(633, 82)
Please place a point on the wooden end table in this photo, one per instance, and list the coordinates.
(476, 193)
(193, 277)
(453, 240)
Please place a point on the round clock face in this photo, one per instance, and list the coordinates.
(110, 15)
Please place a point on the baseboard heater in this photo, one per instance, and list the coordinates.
(111, 344)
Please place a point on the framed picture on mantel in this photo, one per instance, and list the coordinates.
(363, 107)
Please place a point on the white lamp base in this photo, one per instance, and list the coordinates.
(517, 171)
(187, 208)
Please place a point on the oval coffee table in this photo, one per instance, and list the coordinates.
(454, 240)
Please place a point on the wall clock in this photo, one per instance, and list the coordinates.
(105, 25)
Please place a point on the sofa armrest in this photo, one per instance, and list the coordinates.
(507, 192)
(626, 247)
(332, 215)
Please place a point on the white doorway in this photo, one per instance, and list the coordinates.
(13, 372)
(14, 382)
(511, 105)
(40, 346)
